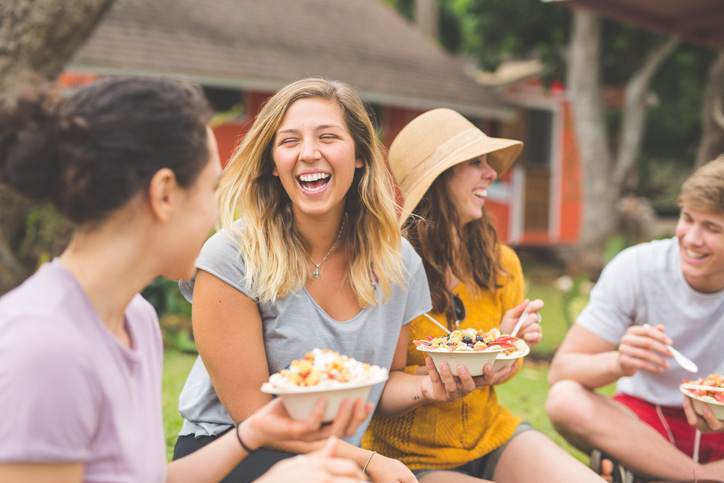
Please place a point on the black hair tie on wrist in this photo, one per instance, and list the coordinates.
(241, 441)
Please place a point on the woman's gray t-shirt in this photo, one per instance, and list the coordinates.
(295, 325)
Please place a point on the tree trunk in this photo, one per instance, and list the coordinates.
(634, 111)
(712, 136)
(37, 39)
(584, 86)
(603, 175)
(426, 17)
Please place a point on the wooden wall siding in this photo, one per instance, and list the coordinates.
(393, 120)
(228, 136)
(537, 196)
(499, 214)
(570, 185)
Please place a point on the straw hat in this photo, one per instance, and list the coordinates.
(435, 141)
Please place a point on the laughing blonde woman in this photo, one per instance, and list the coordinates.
(310, 255)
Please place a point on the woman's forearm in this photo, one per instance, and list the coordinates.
(343, 450)
(402, 393)
(590, 370)
(210, 463)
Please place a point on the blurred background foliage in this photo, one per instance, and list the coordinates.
(486, 33)
(174, 312)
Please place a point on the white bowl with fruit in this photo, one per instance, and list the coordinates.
(323, 374)
(708, 391)
(510, 355)
(470, 348)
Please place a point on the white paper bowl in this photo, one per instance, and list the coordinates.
(506, 360)
(472, 360)
(700, 401)
(299, 401)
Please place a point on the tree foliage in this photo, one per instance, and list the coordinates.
(494, 31)
(489, 32)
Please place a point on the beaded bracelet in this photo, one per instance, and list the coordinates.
(241, 441)
(368, 461)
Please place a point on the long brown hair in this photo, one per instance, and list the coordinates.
(434, 228)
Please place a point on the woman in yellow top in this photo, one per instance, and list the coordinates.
(453, 428)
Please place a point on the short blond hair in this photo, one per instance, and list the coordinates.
(704, 189)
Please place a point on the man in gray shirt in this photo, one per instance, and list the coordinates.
(653, 295)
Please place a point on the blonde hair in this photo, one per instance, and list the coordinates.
(704, 190)
(273, 251)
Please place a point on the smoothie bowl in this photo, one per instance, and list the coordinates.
(708, 391)
(322, 374)
(508, 357)
(470, 348)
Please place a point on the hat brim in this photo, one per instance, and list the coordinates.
(501, 152)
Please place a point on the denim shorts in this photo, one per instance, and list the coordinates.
(483, 467)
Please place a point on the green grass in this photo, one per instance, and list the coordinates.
(525, 396)
(176, 367)
(554, 324)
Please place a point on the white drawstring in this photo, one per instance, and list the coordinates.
(665, 424)
(697, 443)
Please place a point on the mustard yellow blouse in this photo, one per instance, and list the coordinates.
(446, 435)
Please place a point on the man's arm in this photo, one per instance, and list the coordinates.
(585, 358)
(594, 362)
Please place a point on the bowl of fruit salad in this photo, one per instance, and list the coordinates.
(517, 349)
(707, 391)
(470, 348)
(323, 373)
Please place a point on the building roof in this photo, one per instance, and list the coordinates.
(697, 21)
(263, 45)
(510, 72)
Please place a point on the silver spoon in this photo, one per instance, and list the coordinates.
(686, 363)
(683, 361)
(519, 324)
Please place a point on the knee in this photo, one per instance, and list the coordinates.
(567, 408)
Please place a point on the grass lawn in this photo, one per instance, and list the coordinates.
(525, 396)
(554, 324)
(176, 367)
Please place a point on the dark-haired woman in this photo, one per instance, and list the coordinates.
(453, 428)
(133, 164)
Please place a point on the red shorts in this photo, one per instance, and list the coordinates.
(711, 446)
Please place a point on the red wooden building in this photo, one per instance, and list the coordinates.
(242, 51)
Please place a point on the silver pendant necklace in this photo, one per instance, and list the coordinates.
(318, 266)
